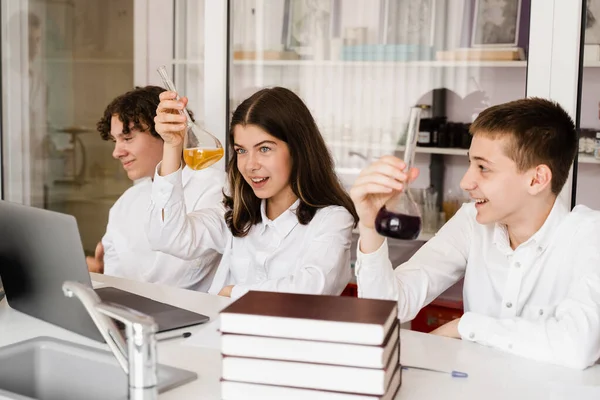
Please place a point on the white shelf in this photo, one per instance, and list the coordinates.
(431, 64)
(585, 159)
(382, 147)
(439, 150)
(328, 63)
(187, 62)
(90, 60)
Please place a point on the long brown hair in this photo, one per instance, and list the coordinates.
(282, 114)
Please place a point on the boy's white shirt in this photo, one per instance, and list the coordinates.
(541, 300)
(127, 252)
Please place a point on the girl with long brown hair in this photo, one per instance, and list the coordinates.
(287, 221)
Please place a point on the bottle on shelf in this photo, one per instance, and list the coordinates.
(465, 136)
(424, 135)
(444, 134)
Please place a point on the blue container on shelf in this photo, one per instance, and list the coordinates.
(387, 52)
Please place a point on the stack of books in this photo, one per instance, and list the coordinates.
(294, 346)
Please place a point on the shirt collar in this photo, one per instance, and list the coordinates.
(284, 223)
(143, 180)
(542, 237)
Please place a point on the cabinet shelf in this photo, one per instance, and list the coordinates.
(121, 61)
(327, 63)
(420, 64)
(423, 150)
(582, 158)
(587, 159)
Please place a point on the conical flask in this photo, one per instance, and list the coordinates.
(400, 217)
(200, 148)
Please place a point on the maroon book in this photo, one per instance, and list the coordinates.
(310, 317)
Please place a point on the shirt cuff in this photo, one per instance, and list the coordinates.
(371, 261)
(238, 291)
(165, 188)
(485, 330)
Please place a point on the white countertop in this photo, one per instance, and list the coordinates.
(492, 374)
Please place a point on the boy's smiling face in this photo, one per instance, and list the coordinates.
(139, 152)
(494, 182)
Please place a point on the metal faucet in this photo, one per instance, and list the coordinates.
(137, 353)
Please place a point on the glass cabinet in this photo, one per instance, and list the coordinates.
(63, 61)
(360, 65)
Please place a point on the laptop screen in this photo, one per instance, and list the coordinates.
(39, 250)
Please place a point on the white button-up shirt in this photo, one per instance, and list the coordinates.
(541, 300)
(127, 252)
(280, 255)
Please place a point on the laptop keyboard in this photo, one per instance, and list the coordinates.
(138, 303)
(167, 317)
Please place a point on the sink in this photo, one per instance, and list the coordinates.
(45, 368)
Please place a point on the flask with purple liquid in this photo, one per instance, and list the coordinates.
(400, 217)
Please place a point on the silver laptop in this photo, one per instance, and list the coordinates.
(39, 250)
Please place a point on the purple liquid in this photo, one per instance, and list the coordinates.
(397, 226)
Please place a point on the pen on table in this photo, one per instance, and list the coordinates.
(179, 335)
(454, 374)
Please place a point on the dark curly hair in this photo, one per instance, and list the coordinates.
(137, 106)
(282, 114)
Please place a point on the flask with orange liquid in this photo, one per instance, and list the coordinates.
(200, 148)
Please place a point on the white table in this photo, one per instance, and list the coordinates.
(492, 374)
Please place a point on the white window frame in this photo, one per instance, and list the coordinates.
(15, 157)
(553, 67)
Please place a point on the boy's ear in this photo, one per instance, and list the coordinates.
(541, 179)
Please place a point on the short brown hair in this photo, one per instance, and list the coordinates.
(541, 132)
(282, 114)
(138, 106)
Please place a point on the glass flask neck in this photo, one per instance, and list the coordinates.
(411, 137)
(162, 71)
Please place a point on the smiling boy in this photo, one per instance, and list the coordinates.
(128, 121)
(531, 266)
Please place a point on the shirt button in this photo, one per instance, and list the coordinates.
(508, 305)
(471, 335)
(510, 346)
(541, 312)
(540, 249)
(517, 265)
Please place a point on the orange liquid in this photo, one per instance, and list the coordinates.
(197, 158)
